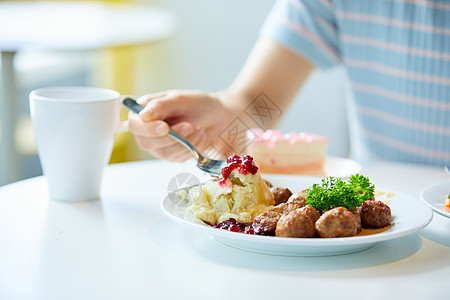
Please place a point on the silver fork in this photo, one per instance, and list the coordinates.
(447, 169)
(208, 165)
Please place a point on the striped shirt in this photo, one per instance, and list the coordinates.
(397, 56)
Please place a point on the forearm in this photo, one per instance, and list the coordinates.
(266, 85)
(260, 94)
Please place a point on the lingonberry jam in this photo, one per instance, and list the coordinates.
(236, 226)
(244, 165)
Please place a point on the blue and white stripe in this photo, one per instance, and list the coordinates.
(397, 54)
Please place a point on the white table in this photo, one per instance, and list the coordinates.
(60, 26)
(123, 247)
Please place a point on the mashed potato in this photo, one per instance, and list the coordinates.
(242, 196)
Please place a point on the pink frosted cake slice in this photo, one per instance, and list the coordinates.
(288, 153)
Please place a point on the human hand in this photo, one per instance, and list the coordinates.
(195, 115)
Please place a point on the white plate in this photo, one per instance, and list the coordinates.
(340, 167)
(410, 215)
(434, 195)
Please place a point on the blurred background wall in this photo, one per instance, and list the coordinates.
(212, 41)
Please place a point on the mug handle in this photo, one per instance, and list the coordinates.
(123, 125)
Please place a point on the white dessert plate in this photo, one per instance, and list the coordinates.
(337, 167)
(434, 195)
(340, 167)
(410, 215)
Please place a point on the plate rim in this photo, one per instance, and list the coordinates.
(429, 187)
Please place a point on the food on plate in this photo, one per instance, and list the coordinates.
(268, 183)
(296, 224)
(337, 222)
(232, 224)
(356, 212)
(298, 198)
(311, 212)
(447, 204)
(334, 192)
(288, 153)
(375, 214)
(240, 194)
(241, 201)
(334, 208)
(280, 194)
(266, 223)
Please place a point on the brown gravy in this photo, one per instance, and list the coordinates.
(370, 231)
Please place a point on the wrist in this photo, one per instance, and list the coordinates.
(233, 123)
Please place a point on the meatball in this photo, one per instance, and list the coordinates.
(265, 223)
(285, 207)
(355, 211)
(298, 198)
(268, 183)
(281, 195)
(311, 212)
(337, 222)
(295, 224)
(375, 214)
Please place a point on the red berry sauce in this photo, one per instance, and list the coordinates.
(235, 226)
(244, 165)
(243, 227)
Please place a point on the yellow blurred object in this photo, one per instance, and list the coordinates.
(121, 62)
(132, 70)
(119, 72)
(121, 78)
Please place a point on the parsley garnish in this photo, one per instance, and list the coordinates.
(334, 192)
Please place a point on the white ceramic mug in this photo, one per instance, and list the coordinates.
(74, 129)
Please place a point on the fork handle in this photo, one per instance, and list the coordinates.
(132, 105)
(184, 142)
